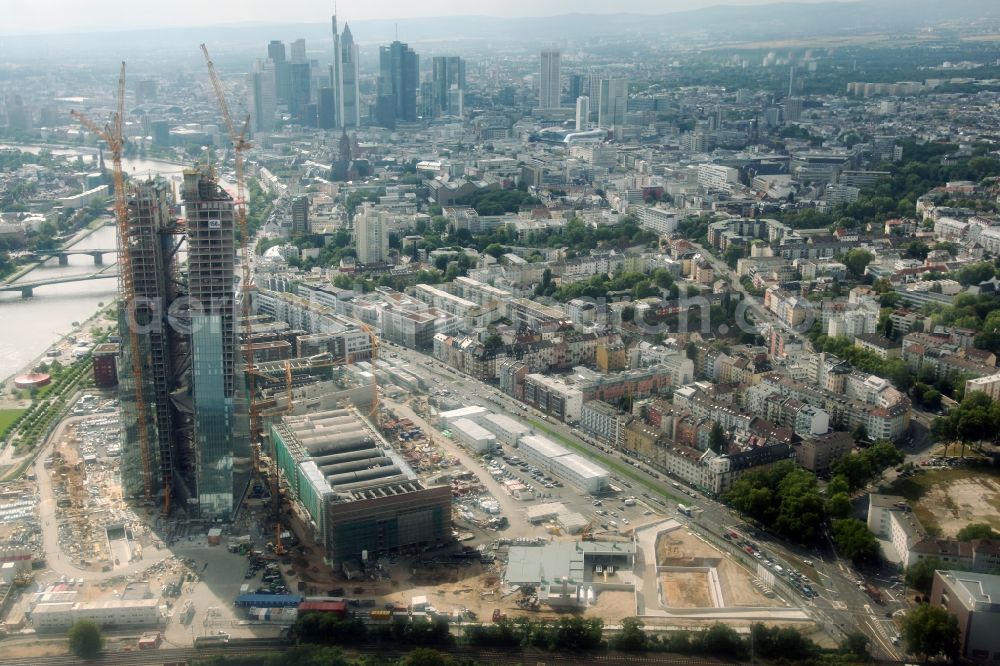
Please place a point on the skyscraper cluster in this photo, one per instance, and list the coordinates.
(286, 79)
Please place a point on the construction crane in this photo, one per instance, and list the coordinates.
(288, 385)
(112, 135)
(240, 145)
(373, 414)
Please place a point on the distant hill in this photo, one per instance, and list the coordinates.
(777, 21)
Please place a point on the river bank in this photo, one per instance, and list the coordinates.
(33, 325)
(86, 329)
(79, 236)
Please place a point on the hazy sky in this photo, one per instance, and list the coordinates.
(18, 17)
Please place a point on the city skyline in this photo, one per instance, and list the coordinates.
(59, 17)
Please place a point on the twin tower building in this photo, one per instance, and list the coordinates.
(184, 425)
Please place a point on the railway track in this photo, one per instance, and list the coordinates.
(262, 648)
(267, 647)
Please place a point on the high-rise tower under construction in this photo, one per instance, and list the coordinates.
(187, 346)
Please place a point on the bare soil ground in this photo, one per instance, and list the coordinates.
(612, 606)
(686, 589)
(26, 650)
(681, 548)
(946, 500)
(738, 588)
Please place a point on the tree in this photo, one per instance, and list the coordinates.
(838, 484)
(493, 341)
(857, 260)
(854, 541)
(426, 657)
(977, 531)
(931, 398)
(930, 631)
(718, 441)
(305, 655)
(541, 287)
(839, 506)
(784, 643)
(860, 433)
(920, 574)
(721, 640)
(631, 638)
(85, 639)
(732, 256)
(855, 644)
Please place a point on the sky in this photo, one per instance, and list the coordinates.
(26, 17)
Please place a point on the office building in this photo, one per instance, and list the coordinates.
(974, 599)
(371, 231)
(326, 108)
(263, 90)
(551, 457)
(549, 88)
(276, 54)
(211, 251)
(613, 97)
(582, 113)
(399, 78)
(361, 498)
(298, 51)
(574, 85)
(456, 101)
(350, 95)
(447, 74)
(344, 78)
(299, 92)
(300, 215)
(793, 110)
(332, 111)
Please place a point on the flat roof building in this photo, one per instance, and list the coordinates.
(473, 436)
(118, 613)
(360, 495)
(558, 460)
(974, 599)
(562, 571)
(506, 429)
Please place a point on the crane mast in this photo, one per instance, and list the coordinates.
(112, 135)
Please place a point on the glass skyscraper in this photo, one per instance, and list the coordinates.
(210, 282)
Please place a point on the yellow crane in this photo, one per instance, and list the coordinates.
(288, 385)
(373, 416)
(112, 135)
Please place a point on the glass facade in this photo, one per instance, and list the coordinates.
(213, 417)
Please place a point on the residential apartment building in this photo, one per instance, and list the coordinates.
(974, 599)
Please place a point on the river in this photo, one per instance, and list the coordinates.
(31, 326)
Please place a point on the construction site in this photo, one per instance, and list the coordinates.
(273, 457)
